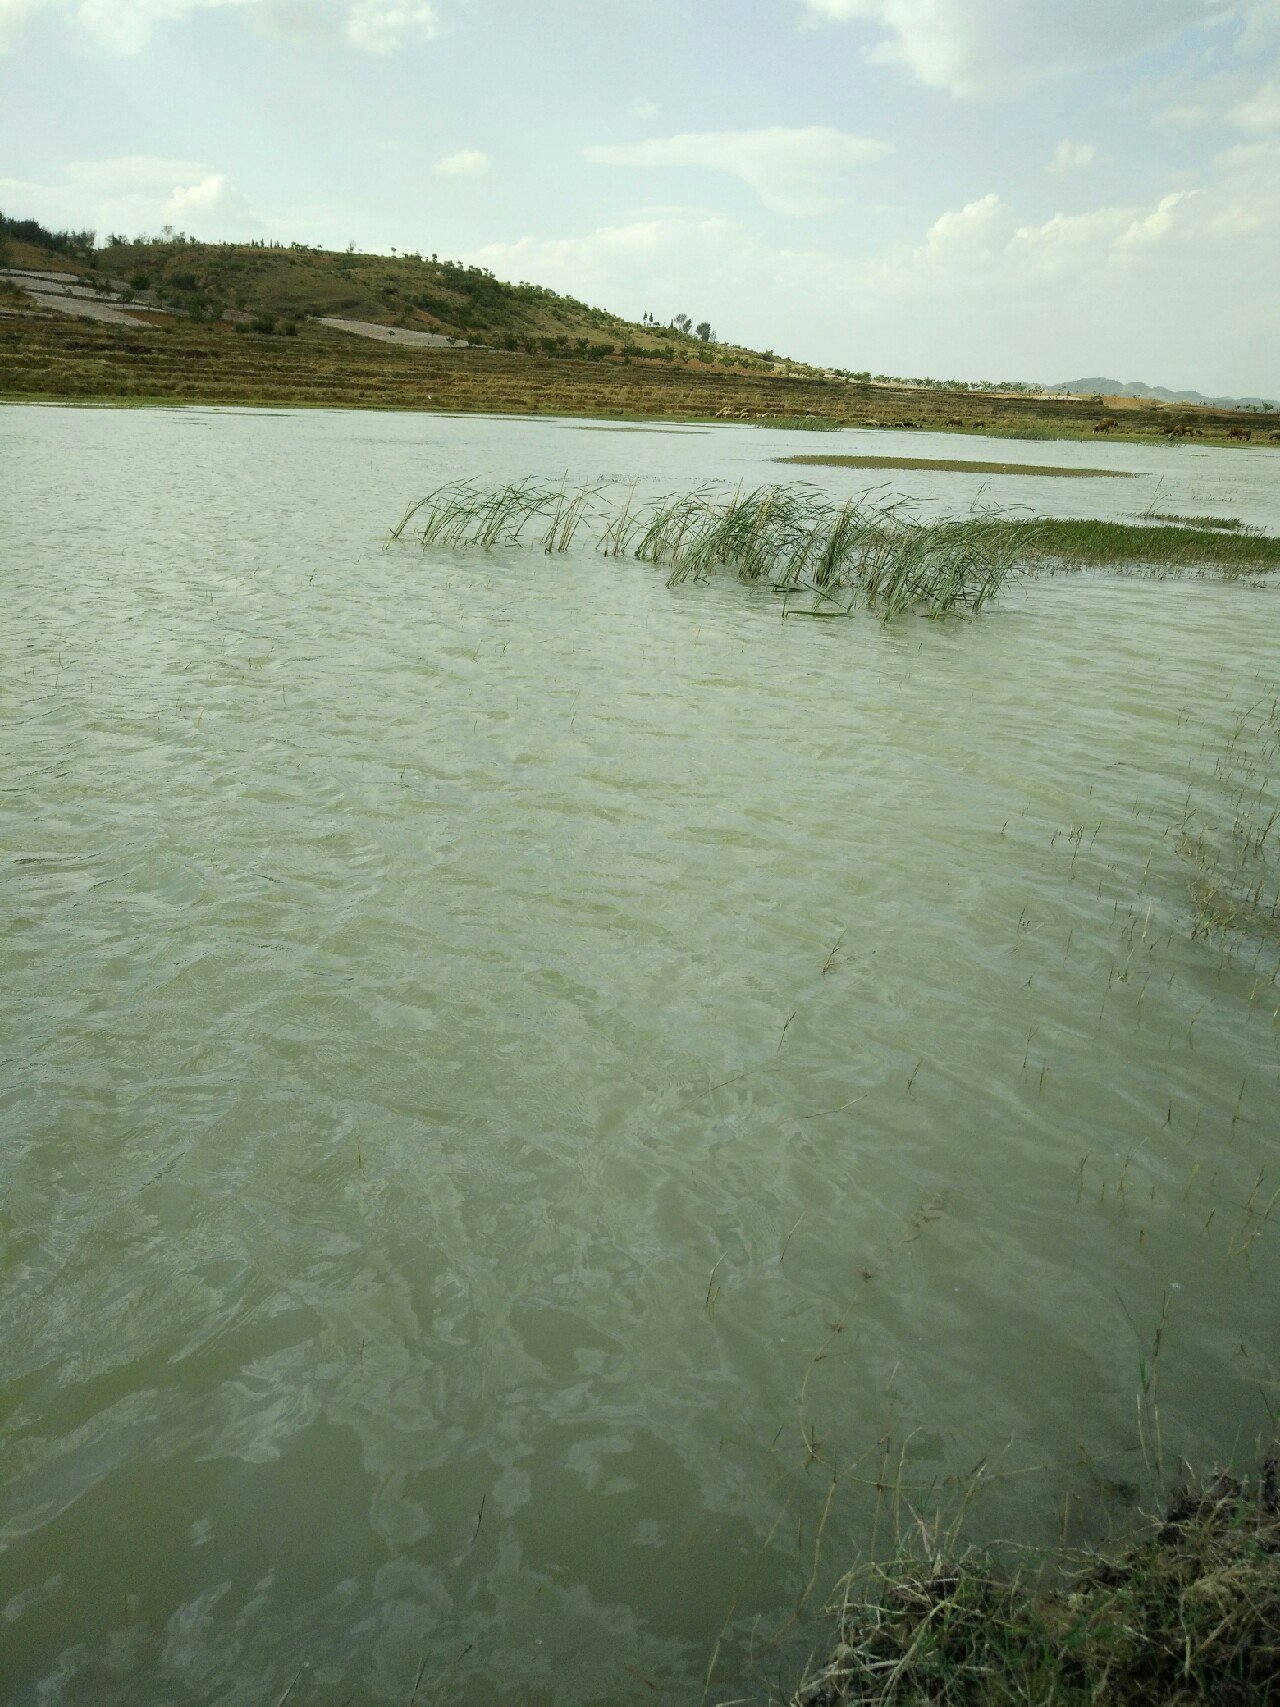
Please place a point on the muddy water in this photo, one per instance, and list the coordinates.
(514, 1079)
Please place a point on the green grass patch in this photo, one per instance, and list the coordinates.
(940, 466)
(1225, 524)
(1188, 1612)
(1125, 544)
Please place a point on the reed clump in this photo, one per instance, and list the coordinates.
(1188, 1612)
(793, 539)
(463, 512)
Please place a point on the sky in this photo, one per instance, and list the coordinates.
(969, 189)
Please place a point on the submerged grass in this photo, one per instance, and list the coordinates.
(939, 465)
(837, 557)
(1118, 544)
(1234, 854)
(1224, 524)
(790, 538)
(464, 513)
(1188, 1612)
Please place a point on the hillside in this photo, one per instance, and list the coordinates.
(169, 320)
(209, 281)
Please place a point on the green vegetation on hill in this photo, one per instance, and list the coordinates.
(71, 245)
(289, 282)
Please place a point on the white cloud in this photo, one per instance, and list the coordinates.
(133, 174)
(1190, 115)
(978, 48)
(1261, 110)
(126, 26)
(792, 171)
(137, 194)
(1072, 157)
(13, 17)
(653, 259)
(1136, 291)
(466, 163)
(382, 25)
(1260, 31)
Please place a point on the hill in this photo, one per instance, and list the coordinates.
(241, 282)
(1158, 393)
(168, 319)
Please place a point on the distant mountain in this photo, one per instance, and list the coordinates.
(1135, 388)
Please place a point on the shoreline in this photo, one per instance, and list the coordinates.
(638, 419)
(61, 359)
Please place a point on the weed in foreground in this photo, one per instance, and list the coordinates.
(1188, 1612)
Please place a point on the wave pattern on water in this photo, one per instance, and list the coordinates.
(506, 1089)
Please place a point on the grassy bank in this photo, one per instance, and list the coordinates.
(1188, 1612)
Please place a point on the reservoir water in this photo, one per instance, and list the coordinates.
(525, 1094)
